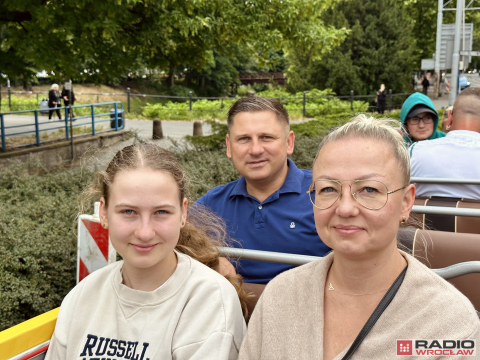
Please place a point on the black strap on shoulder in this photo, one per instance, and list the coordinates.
(376, 314)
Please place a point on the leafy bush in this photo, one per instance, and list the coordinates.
(19, 103)
(37, 247)
(180, 90)
(243, 90)
(318, 103)
(259, 87)
(211, 142)
(203, 110)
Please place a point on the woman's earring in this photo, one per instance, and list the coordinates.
(448, 127)
(404, 220)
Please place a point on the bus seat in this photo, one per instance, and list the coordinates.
(439, 249)
(465, 224)
(255, 290)
(449, 223)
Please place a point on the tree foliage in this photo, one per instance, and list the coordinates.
(378, 49)
(100, 40)
(424, 18)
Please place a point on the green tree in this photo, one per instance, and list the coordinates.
(100, 40)
(377, 50)
(423, 14)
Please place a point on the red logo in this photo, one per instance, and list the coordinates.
(404, 347)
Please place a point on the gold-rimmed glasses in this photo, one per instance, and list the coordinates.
(371, 194)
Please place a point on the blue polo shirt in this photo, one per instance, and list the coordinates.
(282, 223)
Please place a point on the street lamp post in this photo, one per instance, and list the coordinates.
(437, 49)
(456, 54)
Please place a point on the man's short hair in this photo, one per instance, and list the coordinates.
(256, 104)
(468, 101)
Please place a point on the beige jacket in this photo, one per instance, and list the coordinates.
(288, 319)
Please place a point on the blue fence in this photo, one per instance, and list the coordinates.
(116, 120)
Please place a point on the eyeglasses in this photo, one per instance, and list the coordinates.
(427, 119)
(371, 194)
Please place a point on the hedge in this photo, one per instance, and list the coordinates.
(316, 105)
(37, 244)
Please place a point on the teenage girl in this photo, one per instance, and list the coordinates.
(160, 302)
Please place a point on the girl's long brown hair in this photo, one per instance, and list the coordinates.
(203, 232)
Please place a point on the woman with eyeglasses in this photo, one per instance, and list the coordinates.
(357, 301)
(420, 119)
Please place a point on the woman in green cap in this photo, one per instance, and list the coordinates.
(420, 119)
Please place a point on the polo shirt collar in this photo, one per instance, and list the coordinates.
(292, 183)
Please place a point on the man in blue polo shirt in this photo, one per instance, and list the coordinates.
(268, 208)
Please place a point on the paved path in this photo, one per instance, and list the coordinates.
(144, 128)
(173, 129)
(442, 102)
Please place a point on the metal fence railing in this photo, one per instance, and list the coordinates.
(423, 180)
(440, 210)
(94, 114)
(447, 273)
(136, 102)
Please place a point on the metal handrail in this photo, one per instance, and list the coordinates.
(68, 136)
(440, 210)
(447, 273)
(459, 269)
(267, 256)
(424, 180)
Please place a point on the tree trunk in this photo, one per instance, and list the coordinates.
(26, 85)
(171, 75)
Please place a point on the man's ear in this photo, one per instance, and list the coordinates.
(290, 142)
(227, 141)
(449, 118)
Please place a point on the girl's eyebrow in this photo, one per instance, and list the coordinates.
(124, 205)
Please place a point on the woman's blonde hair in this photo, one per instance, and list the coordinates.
(203, 231)
(367, 127)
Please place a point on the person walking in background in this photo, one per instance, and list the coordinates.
(425, 84)
(66, 94)
(54, 101)
(381, 97)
